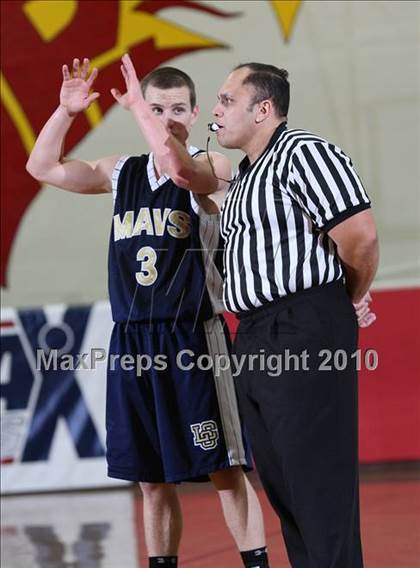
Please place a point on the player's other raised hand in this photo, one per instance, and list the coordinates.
(74, 94)
(133, 94)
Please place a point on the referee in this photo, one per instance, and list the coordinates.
(301, 253)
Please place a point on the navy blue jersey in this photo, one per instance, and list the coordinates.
(156, 268)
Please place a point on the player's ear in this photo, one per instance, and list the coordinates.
(195, 113)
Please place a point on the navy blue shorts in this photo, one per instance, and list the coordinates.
(167, 418)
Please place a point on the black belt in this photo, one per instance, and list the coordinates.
(284, 301)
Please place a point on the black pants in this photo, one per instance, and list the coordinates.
(300, 410)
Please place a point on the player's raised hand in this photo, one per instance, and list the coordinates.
(74, 94)
(178, 130)
(133, 94)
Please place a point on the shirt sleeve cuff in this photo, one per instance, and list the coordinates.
(343, 216)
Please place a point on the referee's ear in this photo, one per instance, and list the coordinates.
(265, 110)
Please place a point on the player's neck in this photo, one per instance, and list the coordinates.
(157, 168)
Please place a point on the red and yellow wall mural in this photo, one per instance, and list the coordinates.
(36, 39)
(30, 76)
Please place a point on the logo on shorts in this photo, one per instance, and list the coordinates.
(205, 434)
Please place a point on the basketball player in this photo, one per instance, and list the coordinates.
(166, 424)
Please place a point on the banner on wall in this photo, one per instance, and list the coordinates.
(53, 405)
(53, 386)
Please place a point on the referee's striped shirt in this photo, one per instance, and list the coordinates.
(276, 216)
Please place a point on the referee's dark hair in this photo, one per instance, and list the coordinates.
(269, 82)
(169, 78)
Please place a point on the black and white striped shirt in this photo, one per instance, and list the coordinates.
(276, 216)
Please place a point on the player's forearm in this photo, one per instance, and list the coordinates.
(360, 265)
(171, 155)
(48, 149)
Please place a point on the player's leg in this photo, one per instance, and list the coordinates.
(198, 421)
(162, 519)
(133, 444)
(242, 512)
(240, 504)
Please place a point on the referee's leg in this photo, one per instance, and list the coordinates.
(272, 476)
(310, 424)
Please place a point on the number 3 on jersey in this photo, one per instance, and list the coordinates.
(148, 273)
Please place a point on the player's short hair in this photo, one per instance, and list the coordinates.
(169, 78)
(269, 82)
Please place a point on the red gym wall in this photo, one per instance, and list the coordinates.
(389, 396)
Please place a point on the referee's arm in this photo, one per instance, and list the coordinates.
(329, 190)
(357, 246)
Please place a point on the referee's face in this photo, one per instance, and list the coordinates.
(173, 108)
(234, 113)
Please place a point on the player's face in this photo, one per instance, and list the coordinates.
(233, 111)
(173, 108)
